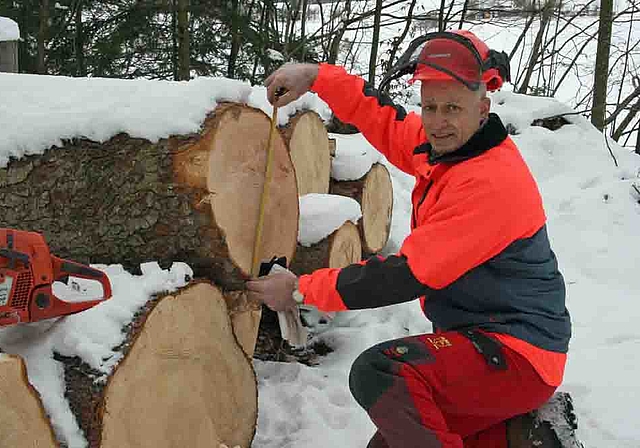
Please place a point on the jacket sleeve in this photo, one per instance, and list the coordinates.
(388, 127)
(374, 283)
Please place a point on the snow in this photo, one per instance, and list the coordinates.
(353, 157)
(37, 112)
(9, 30)
(322, 214)
(593, 220)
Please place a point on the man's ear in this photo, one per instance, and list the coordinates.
(485, 107)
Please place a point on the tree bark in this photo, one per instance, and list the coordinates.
(400, 39)
(182, 348)
(81, 70)
(308, 143)
(374, 193)
(334, 48)
(547, 9)
(342, 248)
(235, 38)
(23, 422)
(9, 57)
(188, 198)
(332, 147)
(303, 30)
(601, 74)
(184, 52)
(375, 42)
(633, 111)
(42, 36)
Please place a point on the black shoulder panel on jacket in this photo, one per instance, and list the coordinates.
(378, 282)
(384, 100)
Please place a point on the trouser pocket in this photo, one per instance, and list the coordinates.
(488, 347)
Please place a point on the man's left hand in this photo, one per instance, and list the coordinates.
(274, 290)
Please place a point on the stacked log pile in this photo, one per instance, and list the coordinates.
(186, 378)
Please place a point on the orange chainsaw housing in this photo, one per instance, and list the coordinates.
(27, 273)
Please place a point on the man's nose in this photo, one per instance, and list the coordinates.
(439, 119)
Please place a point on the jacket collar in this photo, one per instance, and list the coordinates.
(491, 134)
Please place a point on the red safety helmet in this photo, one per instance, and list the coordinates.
(458, 55)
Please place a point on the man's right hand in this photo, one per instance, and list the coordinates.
(294, 79)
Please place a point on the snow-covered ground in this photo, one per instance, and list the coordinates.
(593, 212)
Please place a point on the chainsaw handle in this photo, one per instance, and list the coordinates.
(62, 268)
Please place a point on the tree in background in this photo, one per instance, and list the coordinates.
(601, 77)
(247, 39)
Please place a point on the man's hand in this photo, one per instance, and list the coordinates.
(274, 290)
(294, 79)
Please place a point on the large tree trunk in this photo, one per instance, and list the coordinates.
(81, 70)
(601, 73)
(183, 382)
(193, 199)
(375, 42)
(22, 419)
(184, 51)
(340, 249)
(235, 38)
(374, 193)
(43, 32)
(308, 144)
(547, 10)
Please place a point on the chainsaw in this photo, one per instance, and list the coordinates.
(27, 273)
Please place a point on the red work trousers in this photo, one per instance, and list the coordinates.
(439, 391)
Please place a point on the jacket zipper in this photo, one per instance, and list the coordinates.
(414, 216)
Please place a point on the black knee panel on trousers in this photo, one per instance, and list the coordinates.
(378, 368)
(372, 373)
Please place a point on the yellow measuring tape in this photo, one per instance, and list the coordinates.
(255, 263)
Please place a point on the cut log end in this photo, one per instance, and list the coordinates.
(374, 193)
(346, 247)
(185, 381)
(22, 420)
(340, 249)
(229, 162)
(377, 207)
(308, 143)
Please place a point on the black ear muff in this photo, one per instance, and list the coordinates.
(406, 63)
(499, 61)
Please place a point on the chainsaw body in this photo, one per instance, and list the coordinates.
(27, 273)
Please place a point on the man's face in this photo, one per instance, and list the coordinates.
(451, 113)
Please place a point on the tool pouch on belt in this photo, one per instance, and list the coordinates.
(488, 347)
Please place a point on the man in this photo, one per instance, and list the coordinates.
(478, 255)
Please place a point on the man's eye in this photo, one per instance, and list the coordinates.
(453, 108)
(429, 108)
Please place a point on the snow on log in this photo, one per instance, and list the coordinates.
(308, 144)
(340, 249)
(22, 419)
(184, 380)
(374, 193)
